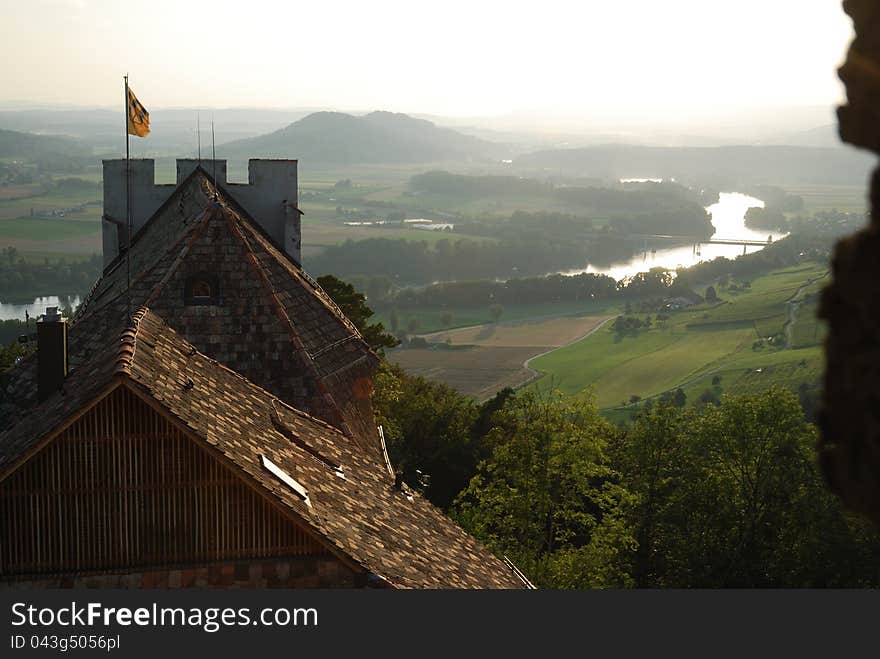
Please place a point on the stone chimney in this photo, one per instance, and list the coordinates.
(51, 352)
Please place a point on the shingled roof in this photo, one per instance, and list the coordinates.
(210, 370)
(353, 502)
(276, 326)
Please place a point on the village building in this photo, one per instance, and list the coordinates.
(205, 419)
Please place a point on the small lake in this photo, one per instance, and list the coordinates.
(728, 217)
(16, 310)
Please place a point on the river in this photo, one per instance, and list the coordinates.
(14, 310)
(728, 217)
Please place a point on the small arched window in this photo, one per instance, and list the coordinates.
(202, 289)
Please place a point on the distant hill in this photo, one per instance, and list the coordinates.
(173, 130)
(28, 146)
(820, 136)
(378, 137)
(740, 164)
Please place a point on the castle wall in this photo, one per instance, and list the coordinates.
(269, 197)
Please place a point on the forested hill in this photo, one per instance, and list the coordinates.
(378, 137)
(28, 146)
(742, 164)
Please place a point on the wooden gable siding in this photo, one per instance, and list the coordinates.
(124, 487)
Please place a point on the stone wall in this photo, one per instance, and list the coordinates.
(269, 197)
(849, 447)
(295, 572)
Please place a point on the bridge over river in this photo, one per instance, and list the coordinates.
(696, 241)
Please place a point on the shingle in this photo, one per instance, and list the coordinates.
(304, 359)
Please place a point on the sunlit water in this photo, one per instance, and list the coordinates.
(728, 217)
(10, 310)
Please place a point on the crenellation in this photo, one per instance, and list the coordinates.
(269, 196)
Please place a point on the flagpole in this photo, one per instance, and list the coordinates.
(127, 203)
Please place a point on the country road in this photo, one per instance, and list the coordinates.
(794, 303)
(537, 374)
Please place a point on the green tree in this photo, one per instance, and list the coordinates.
(446, 318)
(730, 496)
(495, 311)
(428, 427)
(354, 306)
(680, 398)
(378, 288)
(653, 456)
(548, 498)
(9, 353)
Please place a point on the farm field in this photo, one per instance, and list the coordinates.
(749, 374)
(552, 332)
(432, 320)
(644, 365)
(477, 371)
(74, 234)
(847, 198)
(318, 234)
(693, 344)
(480, 361)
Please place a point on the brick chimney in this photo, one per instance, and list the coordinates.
(51, 352)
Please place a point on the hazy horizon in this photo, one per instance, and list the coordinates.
(640, 63)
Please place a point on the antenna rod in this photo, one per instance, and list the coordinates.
(214, 156)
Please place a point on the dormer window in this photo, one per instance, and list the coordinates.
(202, 289)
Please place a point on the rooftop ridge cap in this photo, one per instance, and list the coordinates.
(325, 297)
(299, 272)
(294, 333)
(178, 187)
(193, 232)
(84, 307)
(128, 343)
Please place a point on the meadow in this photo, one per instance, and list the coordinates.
(480, 361)
(724, 339)
(845, 198)
(75, 234)
(432, 319)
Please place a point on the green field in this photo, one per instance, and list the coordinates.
(75, 234)
(46, 229)
(845, 198)
(698, 343)
(429, 320)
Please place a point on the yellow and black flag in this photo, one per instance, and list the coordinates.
(138, 117)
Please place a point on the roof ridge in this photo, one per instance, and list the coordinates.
(233, 218)
(137, 235)
(128, 343)
(299, 272)
(85, 306)
(193, 233)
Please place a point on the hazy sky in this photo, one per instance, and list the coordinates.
(633, 58)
